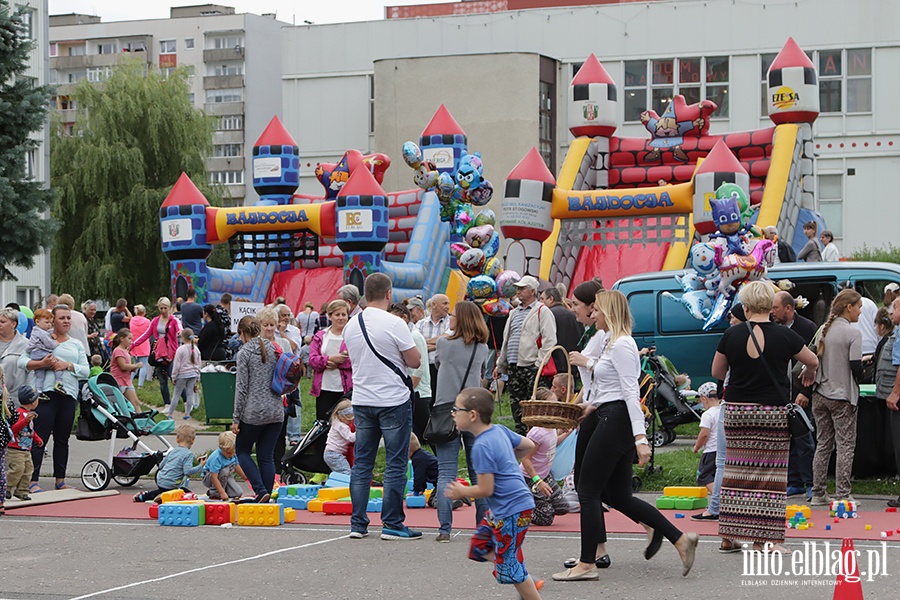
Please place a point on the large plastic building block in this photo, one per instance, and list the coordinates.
(793, 509)
(413, 501)
(290, 515)
(374, 505)
(665, 503)
(294, 502)
(693, 492)
(337, 480)
(334, 493)
(428, 494)
(337, 508)
(260, 515)
(154, 511)
(690, 502)
(182, 515)
(299, 491)
(376, 492)
(219, 513)
(171, 496)
(315, 505)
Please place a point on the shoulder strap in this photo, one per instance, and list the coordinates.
(764, 361)
(471, 359)
(407, 380)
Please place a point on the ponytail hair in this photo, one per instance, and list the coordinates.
(187, 335)
(249, 327)
(840, 303)
(121, 335)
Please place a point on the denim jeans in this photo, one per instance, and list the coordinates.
(144, 371)
(261, 478)
(448, 469)
(164, 375)
(715, 498)
(394, 423)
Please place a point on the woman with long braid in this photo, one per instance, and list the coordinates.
(836, 394)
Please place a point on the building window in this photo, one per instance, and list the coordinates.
(28, 296)
(53, 49)
(228, 150)
(694, 78)
(76, 50)
(228, 42)
(166, 72)
(227, 69)
(76, 77)
(859, 80)
(227, 177)
(167, 46)
(547, 112)
(106, 48)
(230, 122)
(191, 98)
(134, 47)
(53, 76)
(31, 163)
(831, 202)
(66, 103)
(27, 29)
(95, 74)
(371, 104)
(227, 95)
(188, 43)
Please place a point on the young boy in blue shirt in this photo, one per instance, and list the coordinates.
(495, 457)
(176, 467)
(218, 472)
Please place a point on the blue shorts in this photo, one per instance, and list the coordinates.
(504, 537)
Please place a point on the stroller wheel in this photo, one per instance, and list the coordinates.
(636, 484)
(670, 436)
(95, 475)
(125, 481)
(291, 477)
(659, 438)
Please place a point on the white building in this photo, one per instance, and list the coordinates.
(504, 77)
(31, 285)
(235, 60)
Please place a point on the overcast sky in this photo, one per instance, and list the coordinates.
(289, 11)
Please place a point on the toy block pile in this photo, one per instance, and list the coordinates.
(843, 509)
(186, 510)
(682, 498)
(798, 516)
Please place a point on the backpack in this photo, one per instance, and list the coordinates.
(288, 371)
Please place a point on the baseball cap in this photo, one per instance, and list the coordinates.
(27, 395)
(529, 282)
(891, 287)
(415, 302)
(709, 389)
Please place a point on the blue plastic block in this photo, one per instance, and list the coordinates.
(415, 501)
(429, 486)
(374, 505)
(828, 528)
(679, 515)
(337, 480)
(300, 490)
(294, 502)
(182, 515)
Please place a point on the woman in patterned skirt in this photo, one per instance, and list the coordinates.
(756, 429)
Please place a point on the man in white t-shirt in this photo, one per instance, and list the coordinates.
(381, 407)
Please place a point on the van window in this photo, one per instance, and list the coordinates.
(674, 317)
(818, 292)
(643, 312)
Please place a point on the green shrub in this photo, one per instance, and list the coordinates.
(890, 254)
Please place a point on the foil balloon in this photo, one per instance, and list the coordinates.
(445, 187)
(481, 287)
(471, 261)
(482, 194)
(462, 219)
(412, 155)
(492, 246)
(468, 175)
(426, 176)
(457, 249)
(505, 283)
(22, 325)
(485, 217)
(478, 236)
(26, 311)
(497, 308)
(492, 267)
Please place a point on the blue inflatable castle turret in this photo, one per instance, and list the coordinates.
(361, 229)
(276, 165)
(443, 142)
(183, 232)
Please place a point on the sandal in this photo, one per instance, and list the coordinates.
(62, 485)
(34, 488)
(729, 547)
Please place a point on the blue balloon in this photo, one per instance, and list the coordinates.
(22, 325)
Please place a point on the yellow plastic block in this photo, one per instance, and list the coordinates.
(259, 515)
(316, 505)
(334, 493)
(172, 496)
(428, 494)
(290, 515)
(186, 502)
(690, 492)
(868, 528)
(793, 509)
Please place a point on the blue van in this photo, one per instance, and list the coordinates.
(666, 324)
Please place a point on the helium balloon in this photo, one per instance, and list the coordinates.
(445, 187)
(492, 267)
(497, 308)
(481, 287)
(412, 155)
(482, 194)
(471, 261)
(22, 325)
(27, 312)
(493, 245)
(457, 249)
(462, 220)
(486, 217)
(426, 176)
(479, 236)
(505, 283)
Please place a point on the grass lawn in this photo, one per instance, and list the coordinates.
(679, 466)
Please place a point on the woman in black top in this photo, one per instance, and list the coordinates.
(757, 439)
(212, 336)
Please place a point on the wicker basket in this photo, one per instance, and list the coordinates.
(548, 414)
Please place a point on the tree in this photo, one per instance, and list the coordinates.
(135, 133)
(23, 110)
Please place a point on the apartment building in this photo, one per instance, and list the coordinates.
(234, 61)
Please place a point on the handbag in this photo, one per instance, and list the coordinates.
(155, 361)
(441, 427)
(798, 422)
(549, 369)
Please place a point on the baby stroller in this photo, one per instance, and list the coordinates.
(106, 414)
(307, 455)
(667, 407)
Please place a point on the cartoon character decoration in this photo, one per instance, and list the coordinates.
(333, 176)
(677, 121)
(733, 256)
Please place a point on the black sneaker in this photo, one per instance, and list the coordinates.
(894, 503)
(703, 517)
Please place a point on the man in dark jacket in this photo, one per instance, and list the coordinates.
(568, 329)
(786, 254)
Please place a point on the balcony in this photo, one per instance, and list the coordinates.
(93, 60)
(223, 54)
(225, 163)
(224, 108)
(221, 82)
(235, 136)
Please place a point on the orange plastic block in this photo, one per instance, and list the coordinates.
(334, 493)
(259, 515)
(171, 496)
(315, 505)
(337, 508)
(689, 492)
(290, 515)
(218, 513)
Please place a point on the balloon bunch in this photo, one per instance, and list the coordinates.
(731, 258)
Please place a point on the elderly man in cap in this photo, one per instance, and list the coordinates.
(520, 356)
(436, 324)
(891, 291)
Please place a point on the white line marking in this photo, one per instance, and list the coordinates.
(215, 566)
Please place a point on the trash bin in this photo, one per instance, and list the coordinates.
(218, 395)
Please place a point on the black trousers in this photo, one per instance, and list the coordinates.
(604, 455)
(421, 414)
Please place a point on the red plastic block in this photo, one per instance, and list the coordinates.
(154, 511)
(891, 509)
(337, 508)
(219, 513)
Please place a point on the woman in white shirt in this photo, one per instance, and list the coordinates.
(613, 430)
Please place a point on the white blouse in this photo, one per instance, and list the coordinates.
(616, 377)
(591, 351)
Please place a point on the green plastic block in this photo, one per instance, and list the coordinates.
(665, 503)
(376, 493)
(686, 503)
